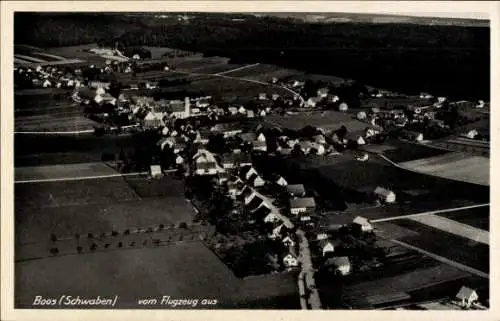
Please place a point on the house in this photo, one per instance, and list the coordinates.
(290, 260)
(178, 147)
(362, 224)
(180, 109)
(480, 104)
(247, 172)
(297, 83)
(296, 190)
(256, 181)
(319, 139)
(262, 96)
(229, 161)
(281, 181)
(248, 137)
(263, 213)
(244, 160)
(271, 217)
(261, 137)
(327, 246)
(471, 134)
(322, 236)
(322, 92)
(302, 205)
(343, 107)
(385, 195)
(340, 265)
(260, 146)
(179, 160)
(312, 102)
(232, 110)
(206, 168)
(362, 158)
(246, 194)
(254, 204)
(46, 83)
(275, 96)
(360, 140)
(467, 296)
(278, 232)
(235, 187)
(152, 120)
(201, 137)
(155, 171)
(250, 114)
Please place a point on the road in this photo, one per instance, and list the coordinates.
(306, 276)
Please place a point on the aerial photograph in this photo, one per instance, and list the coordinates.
(251, 160)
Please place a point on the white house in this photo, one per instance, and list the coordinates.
(327, 246)
(363, 224)
(322, 92)
(312, 102)
(385, 195)
(246, 173)
(179, 160)
(262, 96)
(256, 181)
(261, 137)
(155, 171)
(100, 91)
(471, 134)
(242, 110)
(271, 217)
(46, 83)
(360, 140)
(467, 296)
(480, 104)
(275, 96)
(232, 110)
(281, 181)
(321, 236)
(302, 205)
(277, 232)
(260, 145)
(296, 190)
(251, 114)
(362, 158)
(290, 260)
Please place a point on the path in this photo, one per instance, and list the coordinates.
(306, 276)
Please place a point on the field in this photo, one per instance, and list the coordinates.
(62, 171)
(457, 166)
(49, 123)
(27, 55)
(403, 151)
(476, 217)
(450, 246)
(326, 120)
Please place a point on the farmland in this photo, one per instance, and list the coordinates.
(28, 55)
(457, 166)
(476, 217)
(62, 171)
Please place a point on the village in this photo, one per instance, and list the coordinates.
(266, 221)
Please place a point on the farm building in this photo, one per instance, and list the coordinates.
(340, 265)
(362, 224)
(235, 187)
(312, 102)
(322, 92)
(385, 195)
(244, 160)
(262, 96)
(260, 146)
(322, 236)
(247, 172)
(296, 190)
(467, 296)
(155, 171)
(206, 168)
(152, 120)
(229, 161)
(361, 115)
(302, 205)
(180, 109)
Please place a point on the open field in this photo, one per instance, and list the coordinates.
(27, 55)
(450, 246)
(457, 166)
(38, 196)
(62, 171)
(163, 187)
(36, 225)
(404, 151)
(54, 123)
(326, 120)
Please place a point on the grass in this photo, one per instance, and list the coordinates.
(408, 151)
(50, 123)
(164, 187)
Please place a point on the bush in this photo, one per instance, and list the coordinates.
(114, 233)
(90, 235)
(93, 247)
(126, 232)
(120, 244)
(53, 237)
(54, 251)
(79, 249)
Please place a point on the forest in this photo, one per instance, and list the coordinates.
(451, 61)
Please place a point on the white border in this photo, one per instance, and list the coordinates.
(424, 8)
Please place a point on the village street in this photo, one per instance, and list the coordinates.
(307, 272)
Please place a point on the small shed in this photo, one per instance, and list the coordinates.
(467, 296)
(363, 224)
(385, 195)
(155, 171)
(341, 264)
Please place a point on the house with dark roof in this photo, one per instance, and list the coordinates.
(262, 212)
(296, 190)
(467, 296)
(328, 247)
(302, 205)
(254, 204)
(229, 161)
(256, 181)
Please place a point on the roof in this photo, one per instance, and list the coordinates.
(338, 261)
(262, 211)
(255, 203)
(229, 158)
(246, 191)
(360, 220)
(253, 178)
(248, 137)
(382, 191)
(296, 189)
(205, 165)
(302, 202)
(243, 158)
(323, 243)
(465, 293)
